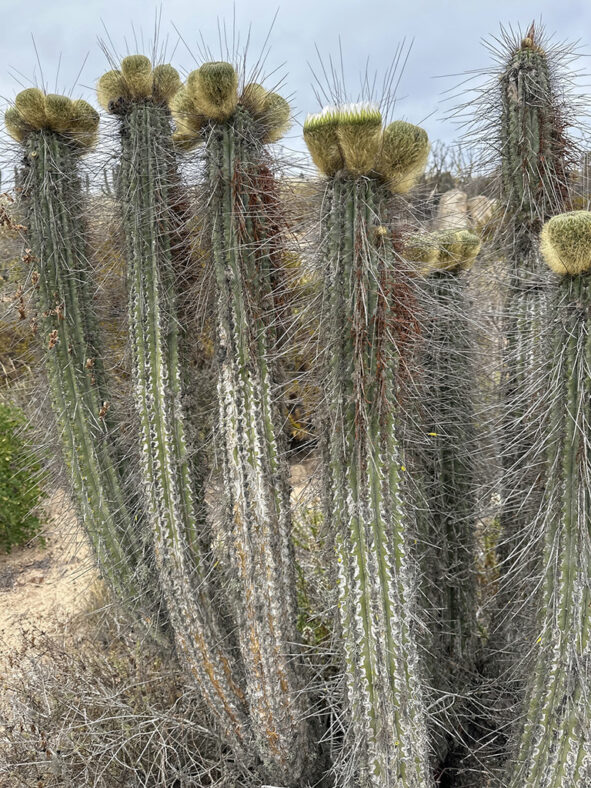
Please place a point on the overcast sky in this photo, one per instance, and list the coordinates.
(446, 38)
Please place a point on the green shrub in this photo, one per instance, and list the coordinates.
(21, 480)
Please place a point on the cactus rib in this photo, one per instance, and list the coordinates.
(362, 488)
(255, 496)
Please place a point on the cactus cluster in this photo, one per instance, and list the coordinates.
(444, 250)
(185, 495)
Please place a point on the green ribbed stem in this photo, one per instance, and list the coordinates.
(387, 731)
(533, 153)
(147, 162)
(249, 440)
(449, 489)
(555, 745)
(78, 390)
(534, 185)
(534, 164)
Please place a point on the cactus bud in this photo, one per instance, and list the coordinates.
(58, 112)
(213, 88)
(30, 104)
(137, 72)
(359, 132)
(320, 135)
(566, 243)
(422, 248)
(188, 119)
(165, 83)
(110, 88)
(16, 126)
(275, 117)
(457, 249)
(405, 149)
(253, 98)
(84, 117)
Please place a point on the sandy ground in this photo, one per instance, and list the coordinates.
(41, 587)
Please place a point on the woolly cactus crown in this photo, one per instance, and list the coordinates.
(137, 80)
(321, 137)
(210, 94)
(457, 250)
(33, 110)
(405, 150)
(351, 137)
(566, 243)
(445, 250)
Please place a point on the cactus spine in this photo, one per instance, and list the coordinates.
(555, 746)
(145, 181)
(363, 507)
(73, 356)
(256, 517)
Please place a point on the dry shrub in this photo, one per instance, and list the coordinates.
(100, 706)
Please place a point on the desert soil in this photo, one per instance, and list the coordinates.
(41, 587)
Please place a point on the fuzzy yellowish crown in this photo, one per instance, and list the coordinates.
(350, 137)
(33, 110)
(566, 243)
(137, 80)
(210, 94)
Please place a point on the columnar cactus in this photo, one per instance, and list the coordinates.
(244, 238)
(448, 481)
(535, 155)
(363, 466)
(55, 132)
(555, 746)
(139, 96)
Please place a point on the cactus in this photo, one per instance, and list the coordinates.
(242, 233)
(55, 132)
(448, 480)
(555, 747)
(139, 97)
(363, 466)
(535, 161)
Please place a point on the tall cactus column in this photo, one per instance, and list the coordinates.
(535, 156)
(256, 518)
(55, 132)
(555, 746)
(139, 96)
(445, 417)
(386, 741)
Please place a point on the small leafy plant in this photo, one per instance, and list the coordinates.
(21, 481)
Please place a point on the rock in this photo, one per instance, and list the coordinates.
(452, 211)
(480, 210)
